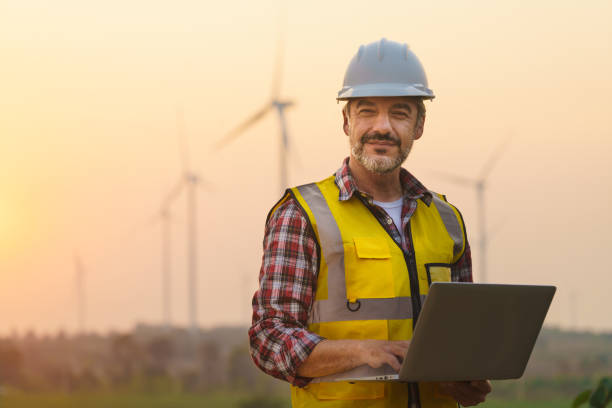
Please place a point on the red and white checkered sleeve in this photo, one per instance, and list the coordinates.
(279, 339)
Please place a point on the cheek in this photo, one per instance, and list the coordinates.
(356, 131)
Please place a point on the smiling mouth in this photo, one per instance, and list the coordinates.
(384, 140)
(381, 143)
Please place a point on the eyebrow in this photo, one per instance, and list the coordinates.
(363, 102)
(402, 106)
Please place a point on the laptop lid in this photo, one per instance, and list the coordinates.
(468, 331)
(471, 331)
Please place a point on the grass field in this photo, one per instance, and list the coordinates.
(220, 400)
(119, 400)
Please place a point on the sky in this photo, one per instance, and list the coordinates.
(89, 146)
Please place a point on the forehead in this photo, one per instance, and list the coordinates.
(386, 102)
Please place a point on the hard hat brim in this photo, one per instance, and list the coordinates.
(384, 89)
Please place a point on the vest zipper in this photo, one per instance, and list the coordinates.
(415, 295)
(415, 292)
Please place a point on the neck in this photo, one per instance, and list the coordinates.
(382, 187)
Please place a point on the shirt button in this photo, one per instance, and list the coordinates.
(389, 221)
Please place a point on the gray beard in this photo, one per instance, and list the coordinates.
(379, 165)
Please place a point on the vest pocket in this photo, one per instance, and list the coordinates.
(438, 272)
(368, 269)
(348, 391)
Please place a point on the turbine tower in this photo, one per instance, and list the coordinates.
(165, 218)
(479, 184)
(275, 103)
(189, 180)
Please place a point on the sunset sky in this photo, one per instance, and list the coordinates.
(88, 143)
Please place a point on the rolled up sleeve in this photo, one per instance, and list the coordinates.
(279, 339)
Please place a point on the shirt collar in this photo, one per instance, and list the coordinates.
(412, 188)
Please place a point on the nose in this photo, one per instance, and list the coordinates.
(382, 124)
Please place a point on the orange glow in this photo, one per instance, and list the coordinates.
(89, 146)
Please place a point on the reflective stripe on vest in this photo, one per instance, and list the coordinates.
(337, 307)
(449, 218)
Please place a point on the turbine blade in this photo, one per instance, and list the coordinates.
(242, 127)
(202, 183)
(182, 140)
(164, 209)
(173, 193)
(493, 159)
(280, 51)
(464, 181)
(154, 219)
(205, 186)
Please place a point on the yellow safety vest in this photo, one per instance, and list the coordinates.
(368, 289)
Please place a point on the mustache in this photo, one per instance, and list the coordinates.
(383, 137)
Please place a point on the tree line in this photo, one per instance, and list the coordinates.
(148, 358)
(158, 359)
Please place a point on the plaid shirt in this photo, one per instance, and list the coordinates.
(279, 338)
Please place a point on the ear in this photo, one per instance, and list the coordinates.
(418, 129)
(345, 125)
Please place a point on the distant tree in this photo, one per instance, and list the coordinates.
(189, 380)
(87, 380)
(127, 356)
(60, 378)
(244, 374)
(212, 370)
(160, 351)
(241, 370)
(11, 363)
(594, 363)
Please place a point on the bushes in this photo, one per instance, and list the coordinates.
(597, 398)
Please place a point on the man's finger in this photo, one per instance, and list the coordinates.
(465, 399)
(463, 392)
(482, 385)
(398, 351)
(393, 362)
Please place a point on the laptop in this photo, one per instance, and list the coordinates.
(468, 331)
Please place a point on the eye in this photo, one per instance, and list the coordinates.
(400, 114)
(366, 111)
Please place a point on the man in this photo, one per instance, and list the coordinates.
(349, 260)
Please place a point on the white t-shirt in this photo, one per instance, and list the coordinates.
(394, 210)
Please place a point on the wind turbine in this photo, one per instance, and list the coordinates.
(189, 180)
(80, 292)
(275, 103)
(165, 218)
(479, 184)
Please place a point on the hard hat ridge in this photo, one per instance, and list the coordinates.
(385, 68)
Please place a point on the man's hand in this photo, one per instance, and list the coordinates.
(466, 393)
(337, 356)
(375, 353)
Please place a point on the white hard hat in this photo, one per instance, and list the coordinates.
(384, 68)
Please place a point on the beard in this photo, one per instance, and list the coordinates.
(379, 165)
